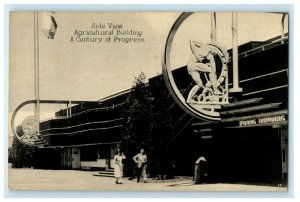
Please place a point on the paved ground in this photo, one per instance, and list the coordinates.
(35, 179)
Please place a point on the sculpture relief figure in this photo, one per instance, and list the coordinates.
(202, 61)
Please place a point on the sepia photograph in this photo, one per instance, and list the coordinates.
(148, 101)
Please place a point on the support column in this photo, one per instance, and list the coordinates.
(284, 153)
(36, 69)
(235, 88)
(70, 110)
(67, 112)
(282, 28)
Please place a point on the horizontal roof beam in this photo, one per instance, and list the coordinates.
(251, 109)
(242, 103)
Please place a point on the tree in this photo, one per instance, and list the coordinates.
(161, 129)
(147, 125)
(137, 120)
(21, 154)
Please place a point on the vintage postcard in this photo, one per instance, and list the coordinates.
(148, 101)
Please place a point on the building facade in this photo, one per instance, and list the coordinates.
(249, 144)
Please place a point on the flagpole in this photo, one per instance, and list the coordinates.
(36, 69)
(213, 34)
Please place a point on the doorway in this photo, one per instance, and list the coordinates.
(75, 158)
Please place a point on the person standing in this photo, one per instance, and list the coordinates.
(141, 161)
(118, 169)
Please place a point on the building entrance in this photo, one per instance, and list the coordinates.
(75, 158)
(247, 155)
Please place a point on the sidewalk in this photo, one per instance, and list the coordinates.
(35, 179)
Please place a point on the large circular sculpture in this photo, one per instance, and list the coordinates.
(208, 61)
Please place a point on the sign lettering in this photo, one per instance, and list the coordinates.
(271, 119)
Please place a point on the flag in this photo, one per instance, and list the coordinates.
(49, 25)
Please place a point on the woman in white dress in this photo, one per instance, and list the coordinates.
(119, 166)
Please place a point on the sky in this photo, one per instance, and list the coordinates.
(90, 71)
